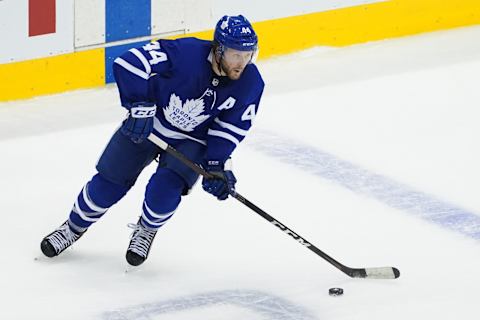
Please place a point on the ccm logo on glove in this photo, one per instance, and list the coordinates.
(143, 112)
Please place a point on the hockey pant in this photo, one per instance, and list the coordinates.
(118, 169)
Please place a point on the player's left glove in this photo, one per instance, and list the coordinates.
(223, 181)
(139, 123)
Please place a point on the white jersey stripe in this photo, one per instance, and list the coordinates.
(231, 127)
(132, 69)
(223, 135)
(142, 58)
(157, 125)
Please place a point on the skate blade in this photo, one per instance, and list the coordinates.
(129, 269)
(41, 258)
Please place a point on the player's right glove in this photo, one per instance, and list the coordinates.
(139, 122)
(222, 181)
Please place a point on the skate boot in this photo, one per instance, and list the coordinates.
(140, 243)
(59, 240)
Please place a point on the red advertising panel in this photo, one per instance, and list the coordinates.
(41, 17)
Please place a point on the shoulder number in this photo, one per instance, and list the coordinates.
(157, 56)
(249, 113)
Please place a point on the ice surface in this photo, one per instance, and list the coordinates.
(369, 152)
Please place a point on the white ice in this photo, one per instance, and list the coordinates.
(353, 128)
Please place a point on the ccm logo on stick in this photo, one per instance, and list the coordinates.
(291, 233)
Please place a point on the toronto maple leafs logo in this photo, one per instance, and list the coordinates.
(185, 116)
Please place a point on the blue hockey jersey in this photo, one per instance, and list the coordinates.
(192, 101)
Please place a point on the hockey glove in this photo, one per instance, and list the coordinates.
(223, 181)
(139, 123)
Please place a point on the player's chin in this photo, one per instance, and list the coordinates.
(235, 74)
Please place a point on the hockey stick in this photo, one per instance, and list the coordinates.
(370, 273)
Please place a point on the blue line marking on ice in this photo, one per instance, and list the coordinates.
(264, 304)
(366, 183)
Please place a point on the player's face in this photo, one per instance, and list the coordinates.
(235, 61)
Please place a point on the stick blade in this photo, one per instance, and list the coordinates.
(373, 273)
(382, 273)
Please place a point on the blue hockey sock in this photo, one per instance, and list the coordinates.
(93, 202)
(162, 198)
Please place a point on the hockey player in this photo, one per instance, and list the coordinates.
(200, 97)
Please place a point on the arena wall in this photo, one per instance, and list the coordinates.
(52, 46)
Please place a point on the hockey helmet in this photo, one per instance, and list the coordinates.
(235, 32)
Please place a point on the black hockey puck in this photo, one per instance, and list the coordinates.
(335, 291)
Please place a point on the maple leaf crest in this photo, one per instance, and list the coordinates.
(185, 116)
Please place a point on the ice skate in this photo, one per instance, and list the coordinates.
(59, 240)
(140, 244)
